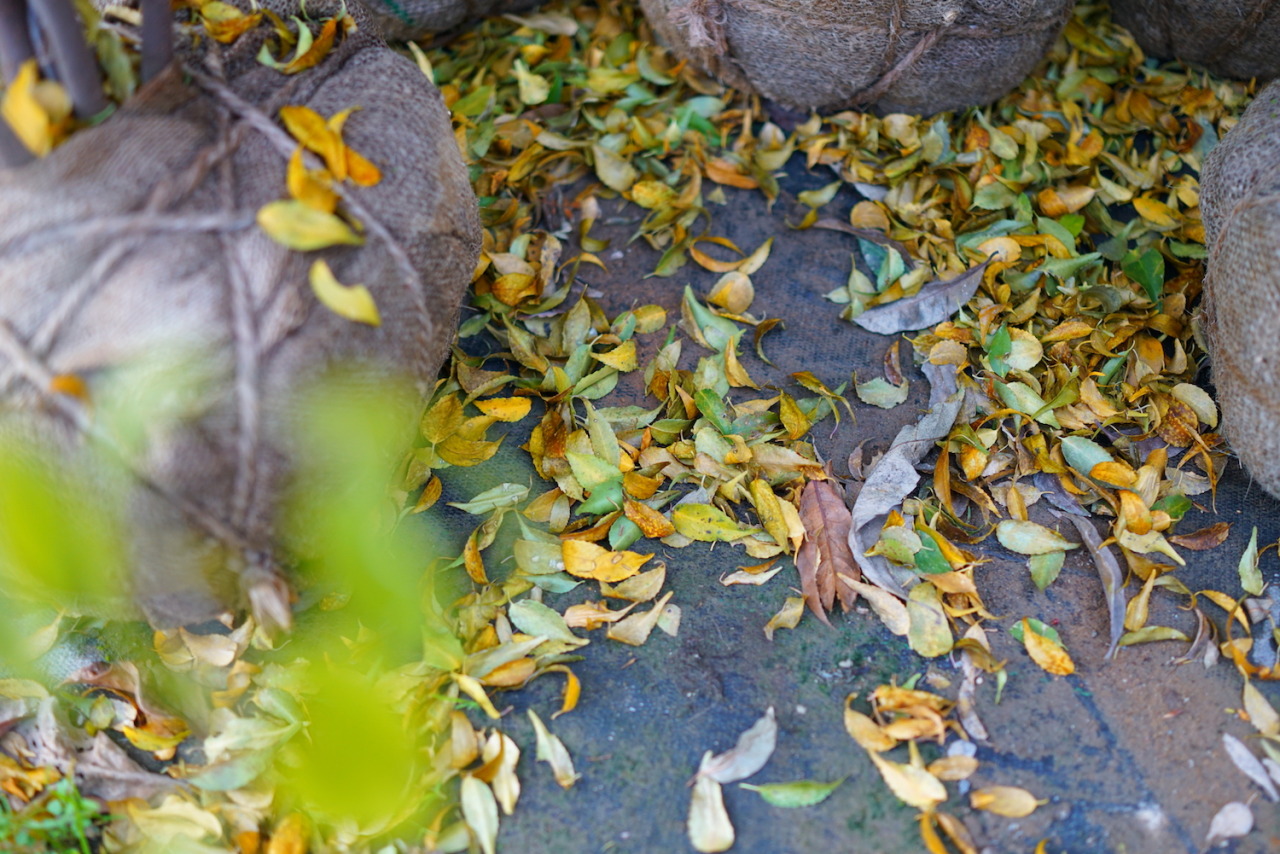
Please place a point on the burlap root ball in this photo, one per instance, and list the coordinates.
(1234, 38)
(1240, 204)
(413, 19)
(907, 56)
(140, 233)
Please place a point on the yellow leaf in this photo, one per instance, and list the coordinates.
(353, 302)
(913, 786)
(587, 560)
(551, 749)
(309, 128)
(319, 49)
(706, 523)
(622, 357)
(635, 629)
(709, 827)
(572, 689)
(480, 811)
(952, 768)
(29, 119)
(788, 617)
(473, 689)
(638, 588)
(1044, 652)
(769, 508)
(160, 737)
(593, 615)
(1008, 801)
(311, 188)
(225, 23)
(360, 170)
(457, 451)
(289, 836)
(650, 522)
(1155, 212)
(298, 226)
(734, 372)
(506, 409)
(869, 735)
(1261, 714)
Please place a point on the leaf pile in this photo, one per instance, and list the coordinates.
(1059, 227)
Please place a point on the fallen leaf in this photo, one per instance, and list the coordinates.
(801, 793)
(710, 830)
(1232, 821)
(1029, 538)
(748, 756)
(824, 554)
(1046, 652)
(550, 749)
(1112, 578)
(1250, 576)
(913, 786)
(1249, 765)
(1008, 801)
(480, 810)
(788, 617)
(296, 225)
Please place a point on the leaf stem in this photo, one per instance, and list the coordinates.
(157, 37)
(15, 40)
(74, 60)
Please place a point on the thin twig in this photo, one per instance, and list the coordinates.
(157, 37)
(76, 64)
(15, 40)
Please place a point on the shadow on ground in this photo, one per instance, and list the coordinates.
(1127, 754)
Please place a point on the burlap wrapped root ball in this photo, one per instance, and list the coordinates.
(1240, 204)
(413, 19)
(137, 239)
(897, 56)
(1234, 38)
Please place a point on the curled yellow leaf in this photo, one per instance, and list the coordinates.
(353, 302)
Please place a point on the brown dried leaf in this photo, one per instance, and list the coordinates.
(825, 554)
(1205, 538)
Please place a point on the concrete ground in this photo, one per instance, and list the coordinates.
(1128, 754)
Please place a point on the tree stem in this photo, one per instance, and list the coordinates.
(12, 152)
(15, 39)
(77, 66)
(157, 37)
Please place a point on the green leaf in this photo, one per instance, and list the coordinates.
(1083, 454)
(1147, 270)
(1175, 505)
(801, 793)
(707, 524)
(534, 618)
(502, 495)
(1028, 538)
(1250, 575)
(590, 470)
(1042, 629)
(929, 633)
(879, 392)
(1045, 567)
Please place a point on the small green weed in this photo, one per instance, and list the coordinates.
(59, 821)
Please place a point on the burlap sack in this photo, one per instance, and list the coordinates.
(1240, 204)
(412, 19)
(909, 56)
(1234, 38)
(140, 233)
